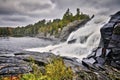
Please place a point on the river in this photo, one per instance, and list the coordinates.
(12, 45)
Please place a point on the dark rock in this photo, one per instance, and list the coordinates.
(72, 41)
(114, 64)
(13, 66)
(39, 58)
(99, 66)
(89, 65)
(15, 70)
(108, 50)
(115, 41)
(73, 63)
(100, 60)
(115, 58)
(116, 50)
(107, 30)
(43, 58)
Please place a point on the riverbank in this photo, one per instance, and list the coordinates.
(21, 64)
(101, 64)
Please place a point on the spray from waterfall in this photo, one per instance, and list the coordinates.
(89, 35)
(86, 38)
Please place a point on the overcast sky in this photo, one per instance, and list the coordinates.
(23, 12)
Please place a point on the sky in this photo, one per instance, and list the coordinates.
(15, 13)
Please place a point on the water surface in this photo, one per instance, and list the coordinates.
(14, 45)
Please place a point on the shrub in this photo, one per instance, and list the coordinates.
(54, 70)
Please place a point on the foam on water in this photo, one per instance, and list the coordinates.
(87, 37)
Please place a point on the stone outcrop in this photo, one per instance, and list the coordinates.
(64, 33)
(114, 45)
(108, 52)
(20, 62)
(39, 58)
(13, 66)
(44, 58)
(70, 28)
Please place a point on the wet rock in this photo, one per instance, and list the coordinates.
(73, 63)
(91, 60)
(89, 65)
(44, 58)
(109, 49)
(115, 41)
(114, 64)
(72, 41)
(13, 66)
(91, 55)
(100, 60)
(39, 58)
(107, 30)
(109, 73)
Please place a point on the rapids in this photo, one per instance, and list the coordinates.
(86, 38)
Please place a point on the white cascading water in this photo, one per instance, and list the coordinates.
(87, 38)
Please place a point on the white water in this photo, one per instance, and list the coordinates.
(87, 38)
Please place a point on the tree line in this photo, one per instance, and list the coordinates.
(51, 27)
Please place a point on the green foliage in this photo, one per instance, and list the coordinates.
(5, 31)
(35, 74)
(46, 27)
(53, 27)
(55, 70)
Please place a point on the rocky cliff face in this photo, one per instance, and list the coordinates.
(70, 28)
(108, 52)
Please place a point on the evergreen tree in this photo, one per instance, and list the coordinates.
(78, 12)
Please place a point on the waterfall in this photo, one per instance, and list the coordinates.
(89, 35)
(86, 38)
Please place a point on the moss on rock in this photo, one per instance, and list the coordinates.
(117, 29)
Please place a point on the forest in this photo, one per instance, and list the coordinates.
(51, 27)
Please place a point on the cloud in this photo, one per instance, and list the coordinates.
(14, 19)
(21, 8)
(24, 6)
(23, 12)
(90, 6)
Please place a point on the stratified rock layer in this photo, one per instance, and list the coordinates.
(108, 52)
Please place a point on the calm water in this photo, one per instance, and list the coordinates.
(13, 45)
